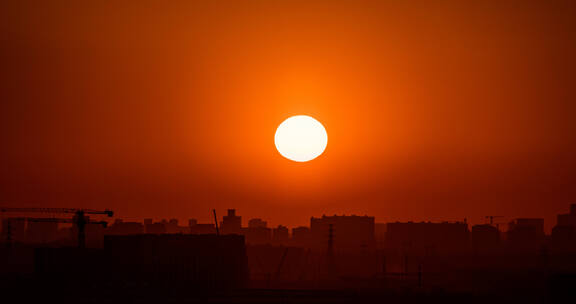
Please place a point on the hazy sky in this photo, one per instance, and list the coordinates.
(435, 110)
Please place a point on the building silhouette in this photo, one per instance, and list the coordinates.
(485, 238)
(351, 233)
(258, 232)
(301, 237)
(203, 229)
(231, 223)
(125, 228)
(280, 235)
(346, 245)
(427, 238)
(563, 237)
(526, 235)
(207, 261)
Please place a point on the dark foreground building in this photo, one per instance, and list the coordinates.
(205, 261)
(197, 262)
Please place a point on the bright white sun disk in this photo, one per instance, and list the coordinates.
(301, 138)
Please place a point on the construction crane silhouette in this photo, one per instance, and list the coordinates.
(80, 220)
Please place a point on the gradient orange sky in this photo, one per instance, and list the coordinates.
(435, 110)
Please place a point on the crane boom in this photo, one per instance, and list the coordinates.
(61, 220)
(80, 219)
(109, 213)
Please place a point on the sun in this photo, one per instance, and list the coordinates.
(301, 138)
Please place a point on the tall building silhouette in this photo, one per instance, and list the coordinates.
(231, 223)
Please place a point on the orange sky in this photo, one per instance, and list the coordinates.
(438, 110)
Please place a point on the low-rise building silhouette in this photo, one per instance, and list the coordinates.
(125, 228)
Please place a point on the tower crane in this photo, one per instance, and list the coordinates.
(80, 219)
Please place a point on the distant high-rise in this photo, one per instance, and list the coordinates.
(257, 223)
(258, 232)
(231, 223)
(125, 228)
